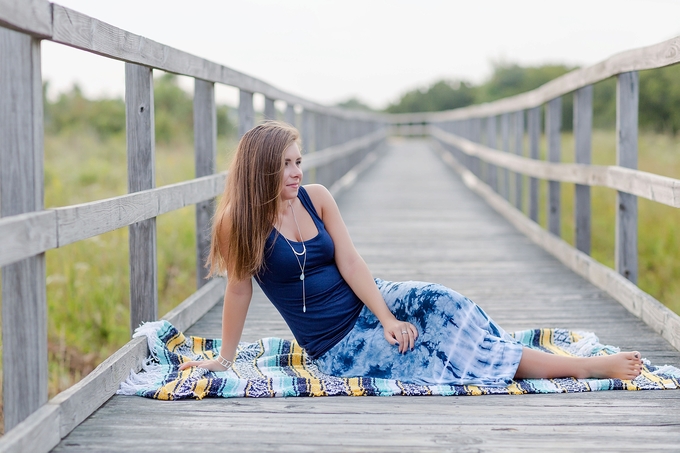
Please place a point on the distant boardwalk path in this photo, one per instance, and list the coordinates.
(412, 218)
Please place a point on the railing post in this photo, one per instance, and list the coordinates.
(24, 300)
(534, 129)
(205, 143)
(477, 138)
(583, 127)
(309, 141)
(553, 123)
(269, 109)
(141, 176)
(246, 112)
(519, 150)
(491, 142)
(627, 96)
(290, 115)
(505, 135)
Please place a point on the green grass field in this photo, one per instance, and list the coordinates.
(87, 282)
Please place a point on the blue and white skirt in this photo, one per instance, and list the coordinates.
(457, 344)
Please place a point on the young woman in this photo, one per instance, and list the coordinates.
(294, 243)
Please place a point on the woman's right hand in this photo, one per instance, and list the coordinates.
(211, 365)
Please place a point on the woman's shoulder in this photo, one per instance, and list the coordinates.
(320, 197)
(316, 190)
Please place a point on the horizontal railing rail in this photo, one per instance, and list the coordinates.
(338, 143)
(651, 186)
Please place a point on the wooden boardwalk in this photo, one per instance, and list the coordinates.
(412, 218)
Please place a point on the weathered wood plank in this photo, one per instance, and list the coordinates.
(139, 107)
(26, 235)
(246, 112)
(491, 142)
(639, 183)
(290, 115)
(553, 125)
(534, 141)
(205, 144)
(37, 433)
(583, 125)
(626, 250)
(505, 141)
(29, 16)
(269, 109)
(519, 150)
(86, 33)
(24, 300)
(82, 221)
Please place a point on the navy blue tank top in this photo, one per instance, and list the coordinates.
(332, 306)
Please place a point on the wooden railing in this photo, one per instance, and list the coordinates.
(469, 141)
(340, 141)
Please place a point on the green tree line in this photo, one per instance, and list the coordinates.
(72, 112)
(659, 95)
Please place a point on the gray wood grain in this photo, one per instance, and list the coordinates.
(505, 141)
(24, 301)
(519, 150)
(29, 16)
(290, 115)
(639, 183)
(205, 144)
(583, 125)
(26, 235)
(491, 142)
(627, 98)
(269, 109)
(246, 112)
(534, 130)
(139, 107)
(85, 220)
(553, 126)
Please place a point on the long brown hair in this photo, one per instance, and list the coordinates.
(247, 210)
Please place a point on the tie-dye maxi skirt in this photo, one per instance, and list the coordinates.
(457, 342)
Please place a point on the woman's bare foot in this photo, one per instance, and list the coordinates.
(624, 365)
(538, 364)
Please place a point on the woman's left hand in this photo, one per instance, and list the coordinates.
(402, 334)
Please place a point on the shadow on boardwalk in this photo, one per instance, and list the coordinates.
(412, 219)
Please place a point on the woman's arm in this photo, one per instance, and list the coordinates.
(236, 301)
(355, 272)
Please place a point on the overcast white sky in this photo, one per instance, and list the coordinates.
(331, 50)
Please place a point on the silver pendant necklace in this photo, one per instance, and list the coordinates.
(297, 254)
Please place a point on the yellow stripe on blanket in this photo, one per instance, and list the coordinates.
(297, 362)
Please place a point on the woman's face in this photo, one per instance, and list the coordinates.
(292, 173)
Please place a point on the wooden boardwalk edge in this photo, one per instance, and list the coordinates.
(652, 312)
(44, 429)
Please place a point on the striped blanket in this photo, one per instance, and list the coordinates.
(273, 367)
